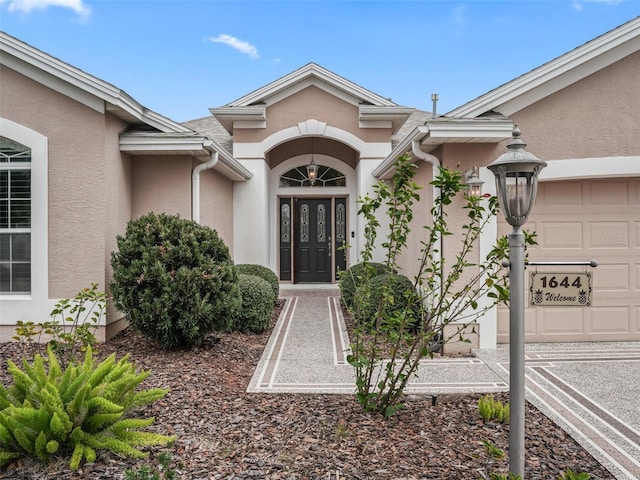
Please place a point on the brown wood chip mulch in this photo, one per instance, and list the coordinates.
(225, 433)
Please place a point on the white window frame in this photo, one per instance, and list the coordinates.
(35, 306)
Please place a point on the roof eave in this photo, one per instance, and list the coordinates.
(583, 60)
(374, 116)
(441, 131)
(59, 75)
(137, 143)
(230, 117)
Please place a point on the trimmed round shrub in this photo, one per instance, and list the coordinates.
(254, 315)
(174, 280)
(404, 298)
(262, 272)
(357, 274)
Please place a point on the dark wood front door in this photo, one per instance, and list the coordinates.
(313, 240)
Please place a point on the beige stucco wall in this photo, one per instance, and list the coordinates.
(119, 203)
(409, 261)
(312, 103)
(161, 184)
(595, 117)
(216, 205)
(463, 157)
(76, 198)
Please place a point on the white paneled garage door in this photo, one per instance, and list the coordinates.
(584, 220)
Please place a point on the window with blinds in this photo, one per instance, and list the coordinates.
(15, 217)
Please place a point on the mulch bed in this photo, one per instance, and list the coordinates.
(226, 433)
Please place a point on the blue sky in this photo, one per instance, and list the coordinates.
(180, 57)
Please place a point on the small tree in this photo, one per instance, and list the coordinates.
(174, 280)
(386, 358)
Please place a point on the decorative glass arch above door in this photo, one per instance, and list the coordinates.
(327, 177)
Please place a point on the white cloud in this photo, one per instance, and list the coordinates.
(578, 4)
(459, 15)
(27, 6)
(233, 42)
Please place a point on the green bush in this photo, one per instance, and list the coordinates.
(356, 275)
(257, 304)
(86, 407)
(174, 280)
(405, 299)
(262, 272)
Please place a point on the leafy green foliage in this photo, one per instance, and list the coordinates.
(495, 452)
(504, 476)
(254, 316)
(356, 276)
(75, 411)
(174, 280)
(493, 410)
(401, 296)
(498, 454)
(163, 471)
(569, 474)
(263, 272)
(71, 328)
(382, 373)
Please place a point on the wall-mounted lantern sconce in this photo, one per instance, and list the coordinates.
(473, 183)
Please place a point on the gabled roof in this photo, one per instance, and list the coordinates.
(557, 74)
(81, 86)
(311, 73)
(152, 133)
(375, 111)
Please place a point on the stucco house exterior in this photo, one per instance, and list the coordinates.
(79, 158)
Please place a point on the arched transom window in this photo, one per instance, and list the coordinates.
(327, 177)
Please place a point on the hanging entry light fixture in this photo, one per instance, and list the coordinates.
(312, 168)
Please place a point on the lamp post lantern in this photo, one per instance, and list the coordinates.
(516, 173)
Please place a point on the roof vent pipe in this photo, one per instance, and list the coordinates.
(195, 186)
(434, 99)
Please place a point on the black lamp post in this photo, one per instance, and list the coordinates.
(516, 175)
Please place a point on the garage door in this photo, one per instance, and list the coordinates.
(584, 220)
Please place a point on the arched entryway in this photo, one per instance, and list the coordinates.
(313, 224)
(345, 164)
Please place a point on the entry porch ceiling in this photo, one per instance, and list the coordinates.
(308, 146)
